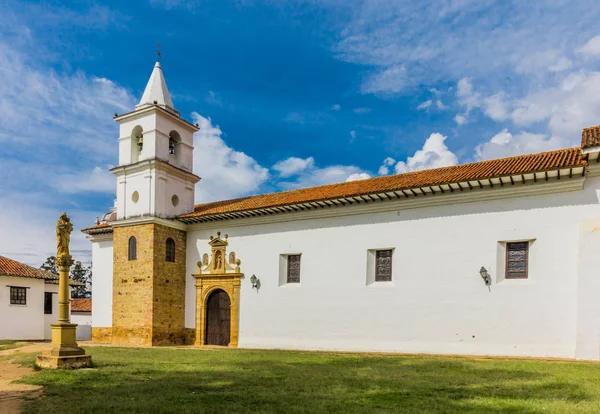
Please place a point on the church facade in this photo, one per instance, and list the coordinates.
(490, 258)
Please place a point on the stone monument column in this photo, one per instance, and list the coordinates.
(65, 352)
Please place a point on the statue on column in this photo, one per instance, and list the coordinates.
(64, 227)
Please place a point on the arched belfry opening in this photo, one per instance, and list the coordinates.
(175, 148)
(218, 318)
(137, 143)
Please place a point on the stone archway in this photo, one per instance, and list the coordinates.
(218, 318)
(212, 307)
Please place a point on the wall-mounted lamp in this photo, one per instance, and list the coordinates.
(255, 282)
(485, 276)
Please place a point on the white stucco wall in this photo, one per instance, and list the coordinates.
(84, 325)
(437, 301)
(22, 321)
(102, 280)
(53, 317)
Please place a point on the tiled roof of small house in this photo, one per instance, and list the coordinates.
(590, 137)
(9, 267)
(81, 305)
(504, 167)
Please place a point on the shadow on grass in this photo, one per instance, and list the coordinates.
(188, 381)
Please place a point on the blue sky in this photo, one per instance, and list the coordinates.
(288, 93)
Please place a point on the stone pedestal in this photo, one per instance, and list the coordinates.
(65, 352)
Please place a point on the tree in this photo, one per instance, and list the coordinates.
(83, 274)
(79, 273)
(50, 265)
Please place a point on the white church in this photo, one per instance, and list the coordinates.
(490, 258)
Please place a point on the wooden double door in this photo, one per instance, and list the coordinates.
(218, 318)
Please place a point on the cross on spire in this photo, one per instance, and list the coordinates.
(158, 52)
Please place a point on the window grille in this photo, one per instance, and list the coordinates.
(383, 266)
(293, 268)
(18, 295)
(517, 254)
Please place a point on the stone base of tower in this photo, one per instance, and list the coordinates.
(148, 290)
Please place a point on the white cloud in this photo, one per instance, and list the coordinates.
(389, 81)
(328, 175)
(566, 108)
(434, 154)
(425, 104)
(357, 176)
(362, 110)
(55, 126)
(540, 62)
(591, 47)
(336, 107)
(225, 173)
(435, 41)
(98, 180)
(384, 169)
(461, 119)
(505, 144)
(293, 165)
(352, 135)
(496, 106)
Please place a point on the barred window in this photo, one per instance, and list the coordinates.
(18, 295)
(517, 260)
(132, 248)
(170, 250)
(293, 268)
(48, 303)
(383, 265)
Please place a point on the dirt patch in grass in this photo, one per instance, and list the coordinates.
(6, 344)
(15, 363)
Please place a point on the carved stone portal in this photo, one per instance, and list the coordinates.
(218, 274)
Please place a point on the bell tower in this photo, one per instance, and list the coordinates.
(154, 175)
(155, 183)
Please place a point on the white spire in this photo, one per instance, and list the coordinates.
(156, 90)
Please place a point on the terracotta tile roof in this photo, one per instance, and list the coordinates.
(9, 267)
(99, 228)
(590, 137)
(522, 164)
(81, 305)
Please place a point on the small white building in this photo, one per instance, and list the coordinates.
(81, 314)
(28, 301)
(497, 257)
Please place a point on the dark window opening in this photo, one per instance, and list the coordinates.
(132, 248)
(170, 250)
(383, 265)
(18, 295)
(517, 258)
(293, 268)
(48, 303)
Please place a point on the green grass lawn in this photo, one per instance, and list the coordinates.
(163, 380)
